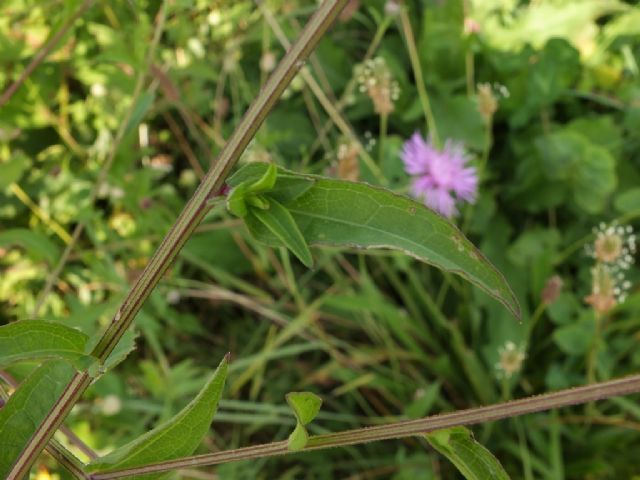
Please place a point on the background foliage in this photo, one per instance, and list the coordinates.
(376, 335)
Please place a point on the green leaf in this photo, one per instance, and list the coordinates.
(305, 406)
(340, 213)
(288, 186)
(37, 339)
(588, 170)
(143, 104)
(13, 169)
(266, 182)
(298, 438)
(36, 244)
(27, 408)
(471, 459)
(575, 338)
(236, 201)
(280, 222)
(178, 437)
(628, 201)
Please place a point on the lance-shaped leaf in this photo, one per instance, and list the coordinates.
(471, 459)
(178, 437)
(37, 339)
(305, 406)
(28, 406)
(280, 222)
(340, 213)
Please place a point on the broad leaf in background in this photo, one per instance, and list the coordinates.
(340, 213)
(28, 406)
(179, 437)
(36, 244)
(471, 459)
(37, 339)
(305, 406)
(13, 169)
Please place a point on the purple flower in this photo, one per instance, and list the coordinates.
(440, 177)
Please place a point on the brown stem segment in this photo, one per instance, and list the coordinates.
(184, 226)
(562, 398)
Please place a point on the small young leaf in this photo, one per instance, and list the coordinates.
(280, 222)
(178, 437)
(288, 186)
(28, 406)
(471, 459)
(37, 339)
(237, 201)
(298, 438)
(266, 182)
(305, 405)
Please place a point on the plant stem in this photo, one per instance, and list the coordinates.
(417, 73)
(562, 398)
(186, 223)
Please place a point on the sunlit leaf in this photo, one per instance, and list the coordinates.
(471, 459)
(36, 244)
(178, 437)
(37, 339)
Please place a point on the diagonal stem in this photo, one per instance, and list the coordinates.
(499, 411)
(184, 226)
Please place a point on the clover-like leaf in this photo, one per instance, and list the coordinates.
(305, 406)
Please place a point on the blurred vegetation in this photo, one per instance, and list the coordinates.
(377, 335)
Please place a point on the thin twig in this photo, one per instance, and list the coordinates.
(45, 51)
(562, 398)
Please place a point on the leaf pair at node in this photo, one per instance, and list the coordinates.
(256, 199)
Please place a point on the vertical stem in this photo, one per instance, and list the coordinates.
(383, 137)
(417, 73)
(184, 226)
